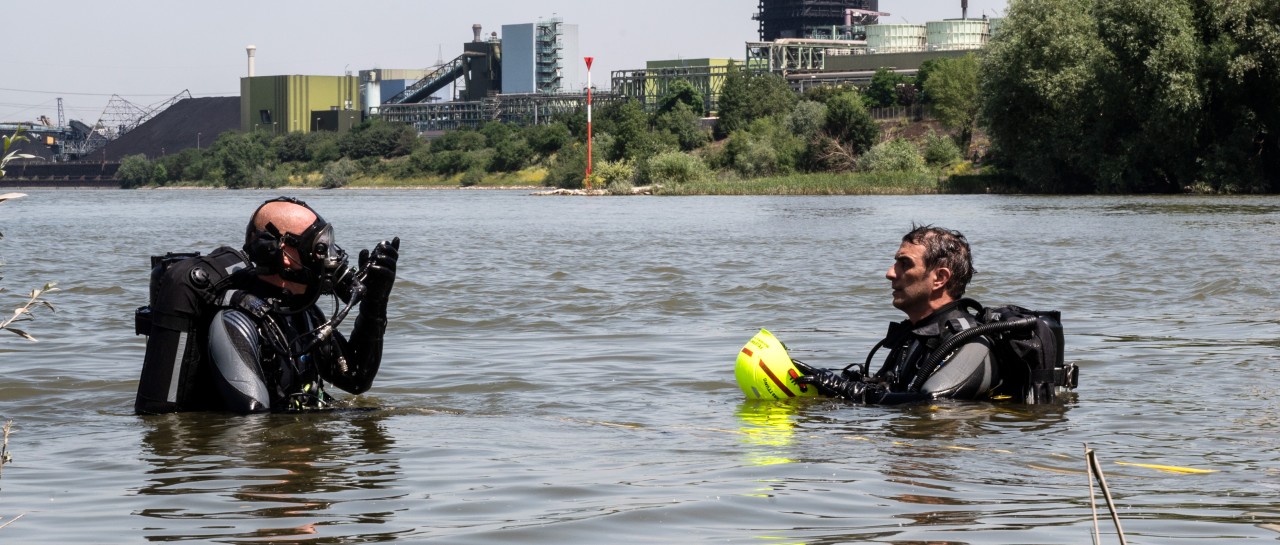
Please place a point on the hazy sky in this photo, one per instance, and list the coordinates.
(146, 51)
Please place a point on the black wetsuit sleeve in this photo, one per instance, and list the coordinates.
(361, 355)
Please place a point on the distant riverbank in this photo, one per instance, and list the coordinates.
(822, 183)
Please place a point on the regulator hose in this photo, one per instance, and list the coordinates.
(935, 358)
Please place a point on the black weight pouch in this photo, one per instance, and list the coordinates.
(183, 299)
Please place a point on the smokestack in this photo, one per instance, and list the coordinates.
(476, 28)
(964, 9)
(250, 50)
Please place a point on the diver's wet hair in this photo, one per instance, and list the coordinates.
(945, 248)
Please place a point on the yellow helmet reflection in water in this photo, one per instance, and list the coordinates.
(764, 370)
(767, 429)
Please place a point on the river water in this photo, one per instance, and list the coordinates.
(559, 370)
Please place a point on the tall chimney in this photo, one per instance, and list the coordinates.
(250, 50)
(964, 9)
(476, 28)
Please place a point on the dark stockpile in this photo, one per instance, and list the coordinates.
(190, 122)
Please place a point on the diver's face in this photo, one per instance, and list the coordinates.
(292, 261)
(911, 281)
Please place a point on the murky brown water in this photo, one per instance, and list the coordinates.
(559, 370)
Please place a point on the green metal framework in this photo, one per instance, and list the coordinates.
(522, 109)
(798, 55)
(649, 85)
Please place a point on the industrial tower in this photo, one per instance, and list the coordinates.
(807, 18)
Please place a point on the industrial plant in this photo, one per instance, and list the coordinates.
(525, 73)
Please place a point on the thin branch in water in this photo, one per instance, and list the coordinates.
(23, 313)
(11, 521)
(5, 457)
(1095, 470)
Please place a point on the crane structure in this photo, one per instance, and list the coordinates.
(121, 116)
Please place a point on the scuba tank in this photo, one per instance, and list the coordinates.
(159, 264)
(183, 295)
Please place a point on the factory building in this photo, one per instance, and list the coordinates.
(380, 84)
(541, 57)
(285, 104)
(809, 19)
(529, 75)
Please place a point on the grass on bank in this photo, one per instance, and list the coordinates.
(956, 181)
(531, 177)
(823, 183)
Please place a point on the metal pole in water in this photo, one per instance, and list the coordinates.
(588, 179)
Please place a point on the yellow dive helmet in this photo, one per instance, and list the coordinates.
(764, 370)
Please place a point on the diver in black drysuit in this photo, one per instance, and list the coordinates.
(968, 372)
(221, 337)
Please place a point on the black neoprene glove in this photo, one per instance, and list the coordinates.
(381, 271)
(830, 383)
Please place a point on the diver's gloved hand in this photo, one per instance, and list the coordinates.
(842, 385)
(381, 270)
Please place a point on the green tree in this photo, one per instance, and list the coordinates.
(1240, 138)
(237, 155)
(322, 148)
(684, 124)
(848, 131)
(682, 92)
(378, 138)
(953, 87)
(1038, 92)
(187, 164)
(510, 155)
(547, 139)
(675, 168)
(569, 168)
(135, 171)
(338, 173)
(1127, 95)
(807, 118)
(922, 78)
(496, 132)
(292, 147)
(1150, 98)
(747, 97)
(734, 103)
(771, 95)
(459, 140)
(940, 151)
(849, 124)
(897, 155)
(882, 92)
(633, 137)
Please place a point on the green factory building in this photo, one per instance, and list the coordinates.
(285, 104)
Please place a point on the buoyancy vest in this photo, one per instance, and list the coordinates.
(911, 344)
(1027, 345)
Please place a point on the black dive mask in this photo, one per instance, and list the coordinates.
(323, 262)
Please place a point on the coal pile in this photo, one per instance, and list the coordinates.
(187, 123)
